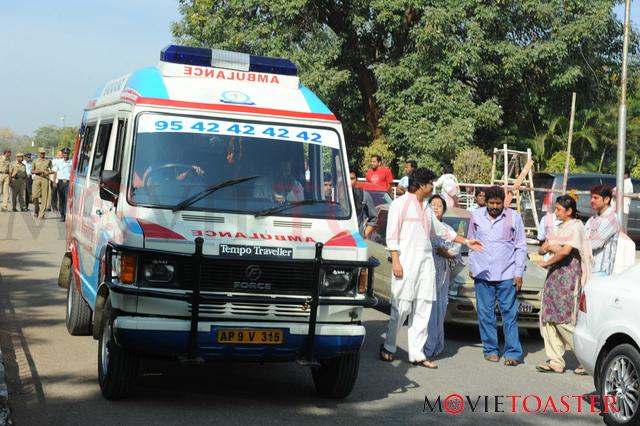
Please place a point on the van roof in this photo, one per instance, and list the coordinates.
(206, 79)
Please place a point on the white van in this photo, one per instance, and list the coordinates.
(211, 218)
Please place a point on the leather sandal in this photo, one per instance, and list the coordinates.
(384, 354)
(426, 364)
(492, 358)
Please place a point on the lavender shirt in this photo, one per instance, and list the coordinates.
(505, 245)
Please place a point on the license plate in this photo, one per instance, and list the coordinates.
(250, 336)
(525, 307)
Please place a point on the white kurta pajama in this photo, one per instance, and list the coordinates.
(410, 226)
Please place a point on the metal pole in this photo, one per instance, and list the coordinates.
(566, 161)
(622, 121)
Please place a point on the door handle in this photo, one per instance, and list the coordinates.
(99, 212)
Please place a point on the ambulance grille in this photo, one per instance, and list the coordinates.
(231, 276)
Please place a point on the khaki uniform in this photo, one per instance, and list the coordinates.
(40, 191)
(18, 173)
(5, 163)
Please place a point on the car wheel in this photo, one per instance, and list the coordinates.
(117, 366)
(78, 315)
(620, 381)
(336, 377)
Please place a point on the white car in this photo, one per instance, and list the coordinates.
(607, 341)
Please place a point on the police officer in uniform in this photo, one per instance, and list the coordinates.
(18, 174)
(40, 192)
(5, 164)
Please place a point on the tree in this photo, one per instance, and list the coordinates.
(472, 165)
(55, 138)
(557, 161)
(430, 76)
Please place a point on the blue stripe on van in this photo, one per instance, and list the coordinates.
(132, 225)
(315, 104)
(148, 83)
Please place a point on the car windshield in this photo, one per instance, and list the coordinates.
(380, 197)
(178, 157)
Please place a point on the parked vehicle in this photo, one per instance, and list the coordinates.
(462, 302)
(583, 182)
(378, 193)
(198, 224)
(607, 342)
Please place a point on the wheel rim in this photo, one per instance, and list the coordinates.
(104, 348)
(623, 384)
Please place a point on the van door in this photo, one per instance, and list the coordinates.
(81, 230)
(101, 210)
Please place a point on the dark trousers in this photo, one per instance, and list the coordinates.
(27, 197)
(63, 187)
(53, 190)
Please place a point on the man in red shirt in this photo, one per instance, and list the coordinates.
(379, 174)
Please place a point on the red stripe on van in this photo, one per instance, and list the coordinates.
(235, 108)
(153, 230)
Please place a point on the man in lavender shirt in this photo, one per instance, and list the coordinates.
(497, 272)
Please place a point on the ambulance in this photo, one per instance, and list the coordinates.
(210, 218)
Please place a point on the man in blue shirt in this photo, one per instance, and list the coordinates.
(497, 272)
(63, 173)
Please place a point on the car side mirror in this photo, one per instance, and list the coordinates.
(110, 185)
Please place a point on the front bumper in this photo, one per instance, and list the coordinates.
(170, 337)
(585, 347)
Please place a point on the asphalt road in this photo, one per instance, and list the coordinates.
(52, 376)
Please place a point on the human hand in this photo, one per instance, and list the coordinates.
(396, 268)
(518, 283)
(279, 198)
(199, 171)
(475, 245)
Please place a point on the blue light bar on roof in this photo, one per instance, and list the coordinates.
(226, 59)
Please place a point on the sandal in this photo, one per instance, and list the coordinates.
(384, 354)
(511, 362)
(546, 368)
(580, 371)
(426, 364)
(492, 358)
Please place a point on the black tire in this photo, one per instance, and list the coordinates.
(117, 366)
(78, 316)
(622, 356)
(336, 377)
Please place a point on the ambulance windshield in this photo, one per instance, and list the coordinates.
(177, 157)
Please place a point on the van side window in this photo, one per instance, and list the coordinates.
(116, 144)
(101, 149)
(85, 150)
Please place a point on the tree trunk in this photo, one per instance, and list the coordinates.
(602, 160)
(367, 87)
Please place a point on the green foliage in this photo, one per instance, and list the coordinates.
(472, 165)
(556, 163)
(56, 138)
(435, 77)
(635, 172)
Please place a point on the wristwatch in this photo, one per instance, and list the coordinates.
(466, 241)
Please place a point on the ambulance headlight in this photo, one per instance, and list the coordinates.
(159, 271)
(338, 281)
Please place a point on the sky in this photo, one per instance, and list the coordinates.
(54, 54)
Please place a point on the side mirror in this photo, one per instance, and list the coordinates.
(110, 185)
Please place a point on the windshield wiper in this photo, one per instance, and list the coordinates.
(277, 209)
(210, 190)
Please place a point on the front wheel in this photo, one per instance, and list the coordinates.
(619, 386)
(117, 366)
(336, 377)
(78, 316)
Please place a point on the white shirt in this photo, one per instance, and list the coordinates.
(62, 169)
(29, 166)
(410, 227)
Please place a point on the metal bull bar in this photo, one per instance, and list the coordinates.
(196, 298)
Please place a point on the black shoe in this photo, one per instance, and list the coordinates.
(25, 209)
(14, 209)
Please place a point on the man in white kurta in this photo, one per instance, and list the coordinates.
(410, 225)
